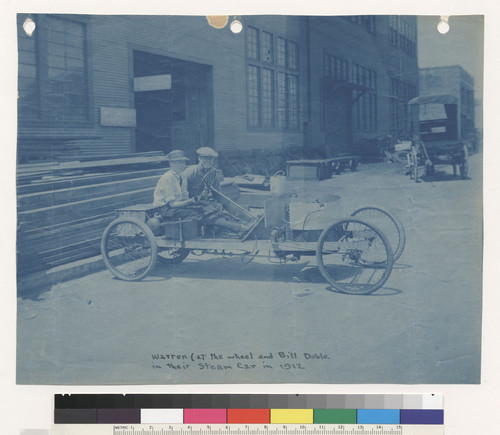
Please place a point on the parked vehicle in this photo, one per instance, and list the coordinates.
(438, 137)
(353, 253)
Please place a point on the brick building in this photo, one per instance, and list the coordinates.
(95, 85)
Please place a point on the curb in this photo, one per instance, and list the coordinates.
(59, 274)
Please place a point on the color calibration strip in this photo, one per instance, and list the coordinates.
(249, 409)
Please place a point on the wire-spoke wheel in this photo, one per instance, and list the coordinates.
(354, 256)
(129, 249)
(388, 223)
(464, 165)
(414, 165)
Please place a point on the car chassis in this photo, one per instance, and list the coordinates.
(355, 254)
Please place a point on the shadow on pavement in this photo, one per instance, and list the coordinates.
(32, 293)
(440, 176)
(400, 266)
(233, 269)
(384, 291)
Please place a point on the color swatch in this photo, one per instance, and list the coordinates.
(248, 409)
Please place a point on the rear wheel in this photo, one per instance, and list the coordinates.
(413, 165)
(129, 249)
(354, 256)
(388, 223)
(464, 166)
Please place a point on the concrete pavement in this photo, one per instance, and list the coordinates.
(423, 326)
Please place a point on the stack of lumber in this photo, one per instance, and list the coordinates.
(61, 218)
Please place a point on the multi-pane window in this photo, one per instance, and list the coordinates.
(281, 52)
(335, 67)
(292, 55)
(66, 70)
(403, 34)
(292, 102)
(252, 43)
(401, 93)
(253, 96)
(52, 70)
(365, 98)
(273, 81)
(267, 47)
(288, 113)
(267, 97)
(367, 21)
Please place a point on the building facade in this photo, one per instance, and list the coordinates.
(94, 85)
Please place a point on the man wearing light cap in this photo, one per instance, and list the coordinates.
(171, 192)
(203, 174)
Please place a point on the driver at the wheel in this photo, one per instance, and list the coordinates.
(203, 174)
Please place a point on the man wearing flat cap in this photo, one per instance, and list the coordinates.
(203, 174)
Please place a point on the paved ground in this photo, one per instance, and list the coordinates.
(214, 319)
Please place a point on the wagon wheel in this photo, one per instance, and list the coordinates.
(388, 223)
(400, 156)
(413, 164)
(410, 164)
(129, 249)
(464, 165)
(354, 256)
(172, 255)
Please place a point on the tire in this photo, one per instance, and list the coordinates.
(400, 156)
(388, 223)
(172, 256)
(354, 256)
(464, 166)
(410, 164)
(414, 165)
(129, 249)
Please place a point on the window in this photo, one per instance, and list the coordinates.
(252, 43)
(28, 87)
(402, 34)
(267, 47)
(253, 96)
(66, 72)
(272, 81)
(53, 70)
(365, 99)
(335, 67)
(366, 21)
(267, 97)
(401, 93)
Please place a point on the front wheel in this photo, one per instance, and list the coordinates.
(354, 256)
(388, 223)
(129, 249)
(464, 166)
